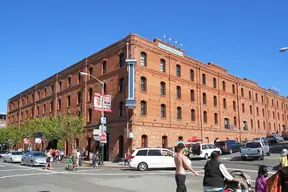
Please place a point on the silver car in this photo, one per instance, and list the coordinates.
(33, 158)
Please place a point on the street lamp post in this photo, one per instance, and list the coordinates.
(102, 112)
(283, 49)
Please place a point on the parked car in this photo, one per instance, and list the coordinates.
(285, 136)
(149, 158)
(228, 146)
(255, 149)
(202, 150)
(13, 156)
(275, 138)
(2, 153)
(33, 158)
(279, 138)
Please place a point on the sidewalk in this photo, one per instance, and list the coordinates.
(108, 164)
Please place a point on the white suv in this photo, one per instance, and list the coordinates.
(145, 158)
(202, 150)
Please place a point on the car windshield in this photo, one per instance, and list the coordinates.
(38, 154)
(253, 145)
(17, 153)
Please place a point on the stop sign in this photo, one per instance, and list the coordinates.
(103, 137)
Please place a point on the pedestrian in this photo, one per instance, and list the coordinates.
(78, 157)
(48, 161)
(261, 180)
(214, 175)
(181, 162)
(126, 158)
(61, 155)
(283, 159)
(95, 159)
(57, 155)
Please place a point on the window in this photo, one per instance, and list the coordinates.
(121, 109)
(142, 152)
(224, 103)
(234, 105)
(223, 85)
(144, 141)
(252, 124)
(32, 113)
(256, 96)
(214, 83)
(164, 142)
(192, 115)
(27, 99)
(273, 115)
(90, 72)
(143, 108)
(33, 98)
(162, 65)
(45, 93)
(262, 98)
(205, 117)
(192, 95)
(69, 82)
(278, 116)
(51, 106)
(79, 98)
(105, 88)
(203, 79)
(51, 90)
(162, 88)
(178, 92)
(242, 92)
(277, 104)
(263, 112)
(178, 70)
(233, 89)
(79, 77)
(59, 104)
(264, 125)
(163, 111)
(226, 123)
(59, 86)
(44, 109)
(272, 102)
(121, 60)
(179, 113)
(243, 107)
(68, 101)
(143, 84)
(89, 115)
(250, 96)
(257, 111)
(235, 121)
(90, 94)
(270, 126)
(121, 85)
(143, 59)
(104, 67)
(215, 118)
(154, 152)
(204, 99)
(282, 117)
(258, 123)
(215, 101)
(191, 75)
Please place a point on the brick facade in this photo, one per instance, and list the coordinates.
(205, 91)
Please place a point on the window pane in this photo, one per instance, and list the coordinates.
(142, 153)
(154, 153)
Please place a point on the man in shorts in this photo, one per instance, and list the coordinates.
(181, 163)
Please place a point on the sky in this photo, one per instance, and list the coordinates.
(40, 38)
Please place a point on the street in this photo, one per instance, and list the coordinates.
(14, 177)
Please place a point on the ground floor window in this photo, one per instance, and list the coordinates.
(164, 142)
(144, 141)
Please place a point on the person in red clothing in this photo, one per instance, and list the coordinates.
(126, 158)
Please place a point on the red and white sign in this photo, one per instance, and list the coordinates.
(103, 138)
(98, 102)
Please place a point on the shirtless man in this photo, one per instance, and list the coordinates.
(181, 163)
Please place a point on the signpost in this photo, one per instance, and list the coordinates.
(103, 120)
(103, 138)
(96, 133)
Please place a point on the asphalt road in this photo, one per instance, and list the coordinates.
(16, 178)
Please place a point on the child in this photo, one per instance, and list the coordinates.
(262, 178)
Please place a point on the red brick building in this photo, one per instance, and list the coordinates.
(177, 97)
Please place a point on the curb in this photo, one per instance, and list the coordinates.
(107, 166)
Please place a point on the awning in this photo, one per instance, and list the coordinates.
(194, 139)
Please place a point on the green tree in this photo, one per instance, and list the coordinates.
(51, 128)
(4, 135)
(14, 135)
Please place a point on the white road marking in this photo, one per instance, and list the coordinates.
(234, 169)
(6, 170)
(32, 168)
(2, 165)
(83, 170)
(22, 175)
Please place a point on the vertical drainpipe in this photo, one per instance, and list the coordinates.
(83, 108)
(238, 110)
(169, 85)
(55, 98)
(266, 113)
(200, 109)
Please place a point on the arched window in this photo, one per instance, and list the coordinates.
(235, 121)
(162, 65)
(256, 96)
(68, 101)
(143, 108)
(214, 83)
(270, 128)
(272, 102)
(257, 111)
(223, 85)
(79, 77)
(178, 70)
(89, 115)
(192, 95)
(59, 87)
(179, 113)
(250, 96)
(90, 96)
(79, 98)
(215, 101)
(233, 89)
(143, 84)
(90, 72)
(224, 103)
(191, 75)
(252, 124)
(178, 91)
(164, 142)
(258, 123)
(143, 59)
(58, 104)
(205, 117)
(243, 107)
(215, 118)
(242, 92)
(192, 115)
(105, 88)
(234, 105)
(264, 127)
(144, 141)
(104, 67)
(262, 99)
(121, 60)
(251, 110)
(121, 109)
(203, 79)
(163, 111)
(121, 85)
(204, 99)
(162, 88)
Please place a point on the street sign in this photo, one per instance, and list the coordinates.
(98, 102)
(102, 128)
(103, 138)
(103, 120)
(96, 133)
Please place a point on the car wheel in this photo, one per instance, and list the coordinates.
(22, 162)
(10, 160)
(230, 151)
(206, 156)
(262, 157)
(31, 163)
(268, 154)
(243, 158)
(142, 166)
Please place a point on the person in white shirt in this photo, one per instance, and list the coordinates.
(78, 157)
